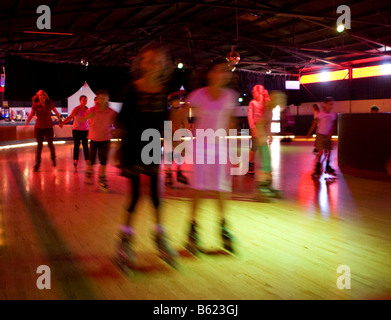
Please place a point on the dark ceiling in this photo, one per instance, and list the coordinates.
(278, 36)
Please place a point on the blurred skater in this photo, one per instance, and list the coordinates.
(213, 108)
(144, 107)
(265, 105)
(325, 125)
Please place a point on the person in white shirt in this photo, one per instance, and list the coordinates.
(325, 122)
(79, 130)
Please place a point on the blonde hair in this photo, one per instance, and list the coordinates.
(35, 98)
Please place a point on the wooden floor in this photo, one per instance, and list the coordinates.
(287, 249)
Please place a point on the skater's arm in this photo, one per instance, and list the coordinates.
(250, 117)
(71, 116)
(312, 128)
(31, 115)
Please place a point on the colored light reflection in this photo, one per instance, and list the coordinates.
(373, 71)
(325, 76)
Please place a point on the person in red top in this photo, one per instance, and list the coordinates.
(42, 108)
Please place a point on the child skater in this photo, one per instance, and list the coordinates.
(101, 118)
(178, 118)
(79, 130)
(42, 108)
(326, 123)
(144, 107)
(264, 104)
(213, 107)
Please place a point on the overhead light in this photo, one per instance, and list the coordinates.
(324, 76)
(385, 69)
(340, 28)
(179, 64)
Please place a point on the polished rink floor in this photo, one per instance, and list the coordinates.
(288, 249)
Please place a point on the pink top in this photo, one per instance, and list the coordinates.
(100, 123)
(77, 123)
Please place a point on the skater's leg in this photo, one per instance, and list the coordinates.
(49, 135)
(103, 153)
(91, 162)
(135, 193)
(84, 142)
(225, 233)
(39, 137)
(166, 252)
(76, 145)
(154, 184)
(192, 237)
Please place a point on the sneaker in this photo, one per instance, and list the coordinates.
(54, 162)
(36, 167)
(75, 162)
(227, 237)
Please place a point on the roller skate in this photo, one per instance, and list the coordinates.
(126, 258)
(266, 188)
(331, 174)
(329, 170)
(181, 178)
(36, 167)
(318, 171)
(103, 184)
(192, 240)
(166, 253)
(250, 168)
(168, 181)
(227, 238)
